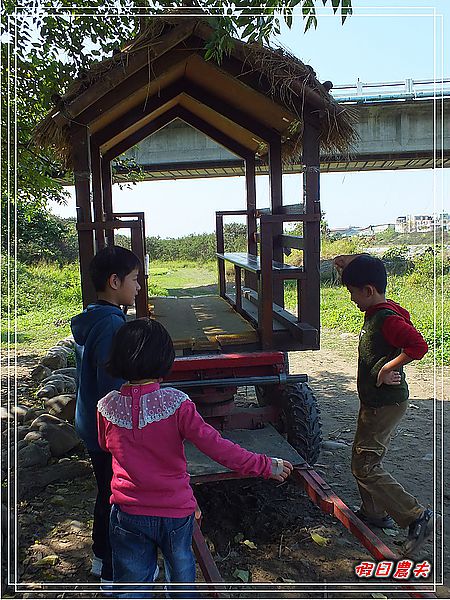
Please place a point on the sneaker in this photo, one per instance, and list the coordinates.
(106, 587)
(386, 522)
(419, 532)
(96, 567)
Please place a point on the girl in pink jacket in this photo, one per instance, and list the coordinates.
(144, 428)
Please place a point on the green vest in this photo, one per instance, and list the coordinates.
(374, 352)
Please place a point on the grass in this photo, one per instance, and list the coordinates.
(49, 295)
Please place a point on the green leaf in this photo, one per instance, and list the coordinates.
(46, 561)
(319, 539)
(249, 544)
(242, 575)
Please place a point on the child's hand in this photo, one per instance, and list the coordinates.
(197, 512)
(281, 469)
(341, 261)
(388, 377)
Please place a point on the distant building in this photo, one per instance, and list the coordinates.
(370, 230)
(421, 223)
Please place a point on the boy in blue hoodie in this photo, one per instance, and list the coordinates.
(114, 272)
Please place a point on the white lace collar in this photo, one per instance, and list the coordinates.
(154, 406)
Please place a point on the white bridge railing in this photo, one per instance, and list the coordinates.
(408, 89)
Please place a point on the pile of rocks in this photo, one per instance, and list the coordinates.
(45, 431)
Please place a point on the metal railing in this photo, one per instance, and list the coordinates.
(407, 89)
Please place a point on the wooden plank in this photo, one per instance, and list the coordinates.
(107, 197)
(126, 66)
(220, 246)
(250, 189)
(310, 308)
(81, 160)
(266, 441)
(138, 247)
(97, 195)
(291, 241)
(299, 330)
(265, 290)
(139, 135)
(241, 118)
(238, 287)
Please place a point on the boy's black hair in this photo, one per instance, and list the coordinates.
(141, 349)
(366, 270)
(109, 260)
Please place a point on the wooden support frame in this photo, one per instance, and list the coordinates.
(276, 202)
(80, 142)
(310, 291)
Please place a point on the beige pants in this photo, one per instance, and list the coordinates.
(381, 494)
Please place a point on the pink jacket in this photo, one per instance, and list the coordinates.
(144, 428)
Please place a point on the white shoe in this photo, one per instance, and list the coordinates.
(156, 573)
(96, 567)
(107, 587)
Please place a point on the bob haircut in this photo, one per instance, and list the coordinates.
(109, 260)
(365, 270)
(141, 349)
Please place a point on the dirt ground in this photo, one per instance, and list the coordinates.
(260, 532)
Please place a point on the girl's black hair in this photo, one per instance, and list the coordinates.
(141, 349)
(365, 270)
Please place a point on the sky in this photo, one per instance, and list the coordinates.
(382, 41)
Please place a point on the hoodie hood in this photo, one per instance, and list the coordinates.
(389, 305)
(83, 323)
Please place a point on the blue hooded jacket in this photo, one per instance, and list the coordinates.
(93, 331)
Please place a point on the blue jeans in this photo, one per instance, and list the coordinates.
(135, 540)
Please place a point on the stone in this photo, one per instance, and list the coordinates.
(62, 406)
(22, 431)
(56, 358)
(40, 372)
(68, 342)
(32, 436)
(34, 454)
(330, 445)
(68, 371)
(60, 435)
(17, 412)
(32, 414)
(55, 385)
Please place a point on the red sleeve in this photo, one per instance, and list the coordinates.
(101, 432)
(209, 441)
(401, 334)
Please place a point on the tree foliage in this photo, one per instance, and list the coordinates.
(45, 45)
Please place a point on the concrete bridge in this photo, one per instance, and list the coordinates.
(400, 126)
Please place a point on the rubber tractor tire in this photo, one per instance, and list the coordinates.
(301, 421)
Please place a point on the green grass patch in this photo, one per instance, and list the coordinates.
(49, 295)
(183, 276)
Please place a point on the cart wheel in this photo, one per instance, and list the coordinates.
(301, 421)
(267, 394)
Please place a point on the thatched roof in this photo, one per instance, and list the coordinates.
(274, 74)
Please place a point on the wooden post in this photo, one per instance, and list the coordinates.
(265, 292)
(220, 247)
(310, 303)
(97, 196)
(79, 140)
(251, 279)
(138, 247)
(238, 287)
(276, 201)
(107, 197)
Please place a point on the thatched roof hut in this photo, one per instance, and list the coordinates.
(173, 48)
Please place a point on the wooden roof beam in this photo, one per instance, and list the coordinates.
(193, 120)
(134, 62)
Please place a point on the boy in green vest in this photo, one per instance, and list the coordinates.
(388, 341)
